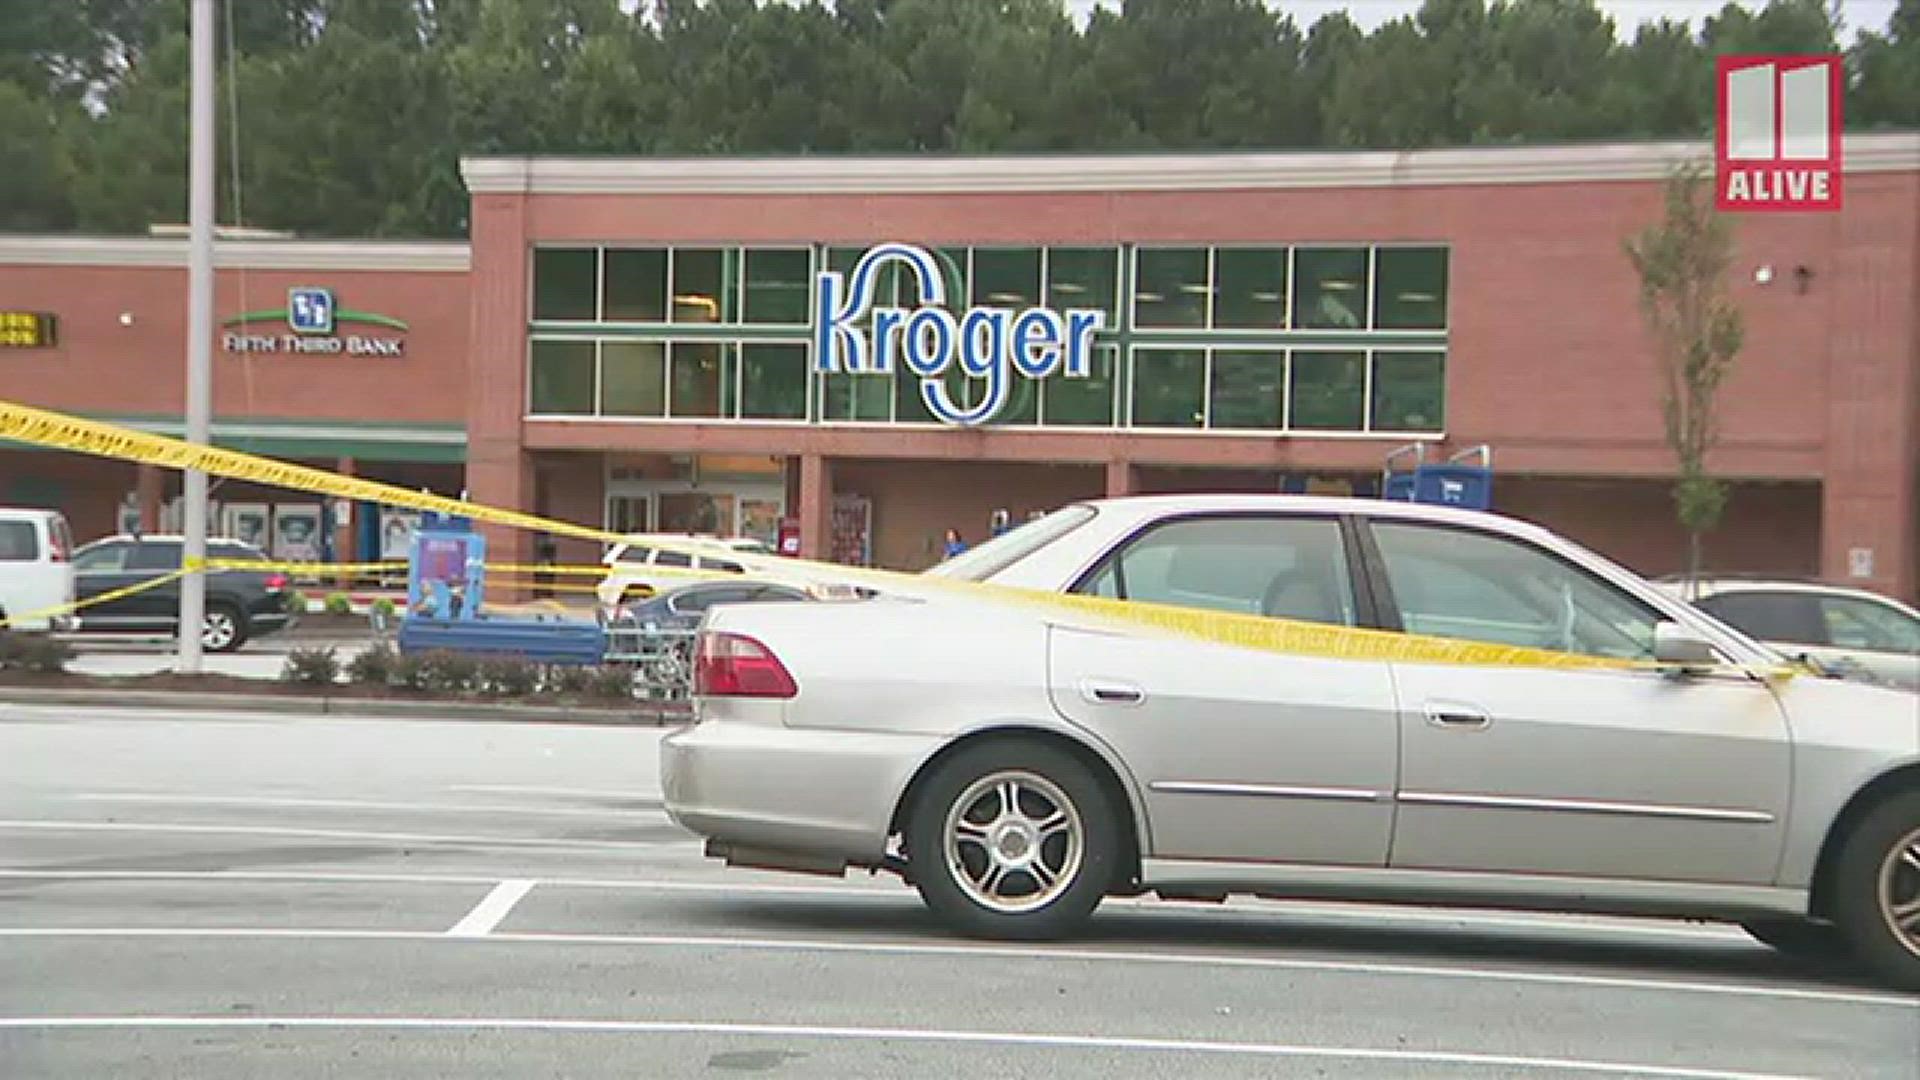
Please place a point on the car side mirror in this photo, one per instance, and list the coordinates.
(1675, 644)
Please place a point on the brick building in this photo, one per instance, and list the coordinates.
(633, 342)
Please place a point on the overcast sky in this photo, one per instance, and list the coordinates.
(1857, 14)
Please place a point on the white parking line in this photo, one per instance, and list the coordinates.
(876, 1034)
(494, 907)
(857, 889)
(344, 834)
(999, 952)
(357, 804)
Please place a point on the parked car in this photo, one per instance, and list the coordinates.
(1019, 763)
(637, 569)
(681, 607)
(241, 604)
(36, 578)
(1850, 632)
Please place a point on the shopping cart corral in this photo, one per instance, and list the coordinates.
(661, 657)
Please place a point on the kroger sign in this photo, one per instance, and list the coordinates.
(990, 343)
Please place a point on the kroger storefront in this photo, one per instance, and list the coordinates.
(861, 353)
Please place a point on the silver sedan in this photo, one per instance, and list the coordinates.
(1018, 763)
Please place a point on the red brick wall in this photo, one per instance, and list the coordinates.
(914, 503)
(1768, 528)
(101, 366)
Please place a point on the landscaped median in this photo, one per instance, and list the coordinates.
(378, 681)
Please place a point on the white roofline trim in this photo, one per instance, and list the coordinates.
(317, 429)
(306, 255)
(1865, 153)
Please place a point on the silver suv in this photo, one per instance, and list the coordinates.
(1849, 632)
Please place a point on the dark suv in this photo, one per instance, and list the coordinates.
(241, 604)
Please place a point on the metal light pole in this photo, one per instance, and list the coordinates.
(193, 588)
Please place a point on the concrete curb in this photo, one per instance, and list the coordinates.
(372, 708)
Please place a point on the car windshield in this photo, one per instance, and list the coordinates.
(1010, 547)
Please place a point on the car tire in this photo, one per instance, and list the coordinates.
(1032, 871)
(224, 629)
(1876, 890)
(1802, 939)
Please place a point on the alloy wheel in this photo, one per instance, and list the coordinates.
(1899, 891)
(218, 630)
(1014, 841)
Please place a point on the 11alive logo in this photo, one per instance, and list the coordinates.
(1777, 143)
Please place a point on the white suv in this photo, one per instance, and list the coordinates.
(636, 569)
(1851, 632)
(36, 570)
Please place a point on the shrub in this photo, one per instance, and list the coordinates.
(384, 608)
(296, 603)
(613, 682)
(411, 671)
(374, 666)
(508, 676)
(312, 667)
(569, 679)
(451, 672)
(43, 654)
(339, 604)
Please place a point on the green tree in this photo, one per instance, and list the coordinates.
(1661, 85)
(40, 169)
(1697, 331)
(1887, 91)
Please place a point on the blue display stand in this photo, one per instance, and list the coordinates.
(446, 593)
(1448, 483)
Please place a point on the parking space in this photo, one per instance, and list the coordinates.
(359, 897)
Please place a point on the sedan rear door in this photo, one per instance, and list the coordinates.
(1240, 754)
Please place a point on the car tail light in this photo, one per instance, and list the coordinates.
(734, 665)
(276, 582)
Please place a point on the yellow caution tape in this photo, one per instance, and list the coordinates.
(80, 605)
(39, 427)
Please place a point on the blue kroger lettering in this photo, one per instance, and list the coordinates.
(991, 343)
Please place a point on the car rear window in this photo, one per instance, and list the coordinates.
(155, 556)
(636, 554)
(19, 541)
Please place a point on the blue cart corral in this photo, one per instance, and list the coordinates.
(1453, 482)
(446, 589)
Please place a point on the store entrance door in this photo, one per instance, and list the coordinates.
(724, 509)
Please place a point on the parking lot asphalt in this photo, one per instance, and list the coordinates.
(233, 895)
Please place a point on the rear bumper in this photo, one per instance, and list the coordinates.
(823, 793)
(268, 622)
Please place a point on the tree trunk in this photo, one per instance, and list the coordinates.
(1693, 564)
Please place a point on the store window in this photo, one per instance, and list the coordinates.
(1328, 391)
(1169, 388)
(1411, 290)
(779, 283)
(1006, 277)
(633, 378)
(1332, 289)
(1408, 391)
(702, 379)
(856, 397)
(1083, 278)
(562, 378)
(1250, 288)
(564, 283)
(773, 382)
(702, 291)
(1171, 287)
(635, 289)
(1084, 402)
(1248, 389)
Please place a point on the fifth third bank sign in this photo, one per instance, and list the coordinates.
(1778, 143)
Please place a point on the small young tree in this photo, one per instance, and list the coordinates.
(1697, 331)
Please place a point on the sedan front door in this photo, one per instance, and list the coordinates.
(1598, 773)
(1240, 755)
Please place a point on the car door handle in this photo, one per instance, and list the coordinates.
(1448, 714)
(1108, 692)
